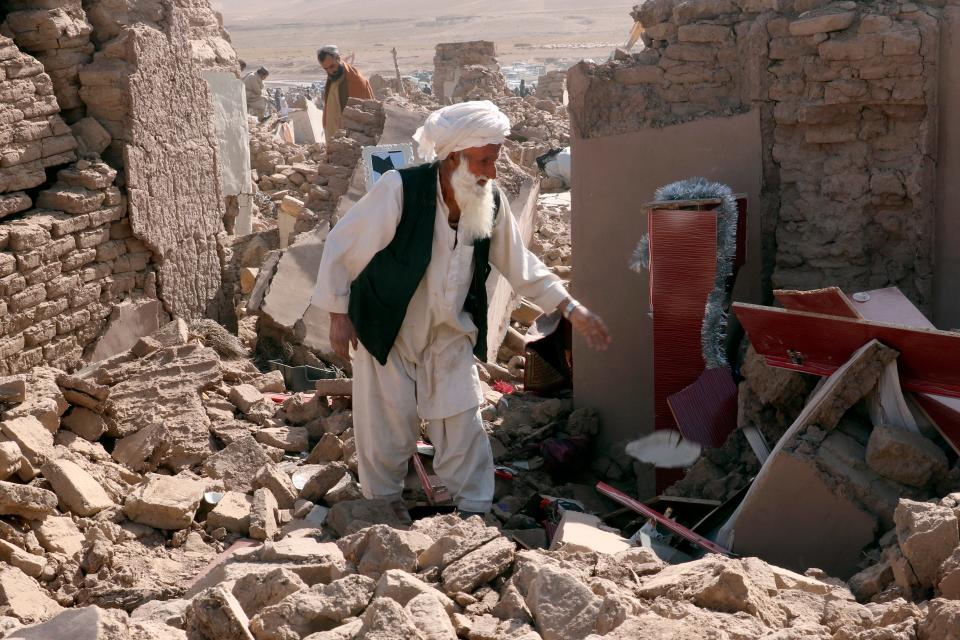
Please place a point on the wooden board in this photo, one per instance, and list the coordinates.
(673, 527)
(683, 264)
(891, 306)
(814, 343)
(830, 301)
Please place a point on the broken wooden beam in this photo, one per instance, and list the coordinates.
(674, 527)
(819, 344)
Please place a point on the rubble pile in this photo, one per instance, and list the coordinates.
(60, 40)
(307, 181)
(460, 68)
(551, 240)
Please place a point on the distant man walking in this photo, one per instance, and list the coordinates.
(403, 276)
(256, 92)
(343, 82)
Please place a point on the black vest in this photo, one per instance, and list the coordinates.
(381, 293)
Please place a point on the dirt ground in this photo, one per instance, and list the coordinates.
(284, 35)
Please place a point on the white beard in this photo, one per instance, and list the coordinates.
(475, 202)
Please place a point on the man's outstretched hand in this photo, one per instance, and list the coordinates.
(342, 335)
(591, 327)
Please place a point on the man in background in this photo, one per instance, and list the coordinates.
(343, 82)
(256, 93)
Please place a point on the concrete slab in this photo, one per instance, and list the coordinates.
(230, 120)
(583, 530)
(292, 285)
(307, 124)
(792, 514)
(129, 321)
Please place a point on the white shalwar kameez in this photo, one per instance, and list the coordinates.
(430, 372)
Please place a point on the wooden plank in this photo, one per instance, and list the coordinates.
(944, 413)
(706, 411)
(830, 301)
(891, 306)
(814, 343)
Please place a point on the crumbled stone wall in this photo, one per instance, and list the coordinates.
(552, 86)
(33, 136)
(315, 176)
(63, 266)
(76, 238)
(454, 75)
(59, 37)
(847, 93)
(154, 102)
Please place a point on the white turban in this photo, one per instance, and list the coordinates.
(461, 126)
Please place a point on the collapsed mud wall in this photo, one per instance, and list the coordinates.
(847, 94)
(79, 235)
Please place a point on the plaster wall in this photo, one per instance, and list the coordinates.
(613, 177)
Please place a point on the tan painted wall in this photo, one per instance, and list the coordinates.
(946, 264)
(613, 177)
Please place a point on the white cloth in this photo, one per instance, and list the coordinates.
(386, 426)
(437, 334)
(461, 126)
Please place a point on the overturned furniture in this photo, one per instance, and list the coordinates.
(831, 486)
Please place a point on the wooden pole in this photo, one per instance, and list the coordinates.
(396, 66)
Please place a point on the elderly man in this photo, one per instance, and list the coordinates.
(343, 82)
(256, 92)
(403, 276)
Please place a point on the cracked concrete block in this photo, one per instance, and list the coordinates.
(10, 459)
(263, 515)
(59, 534)
(23, 598)
(85, 423)
(238, 464)
(35, 440)
(256, 592)
(319, 608)
(216, 615)
(271, 477)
